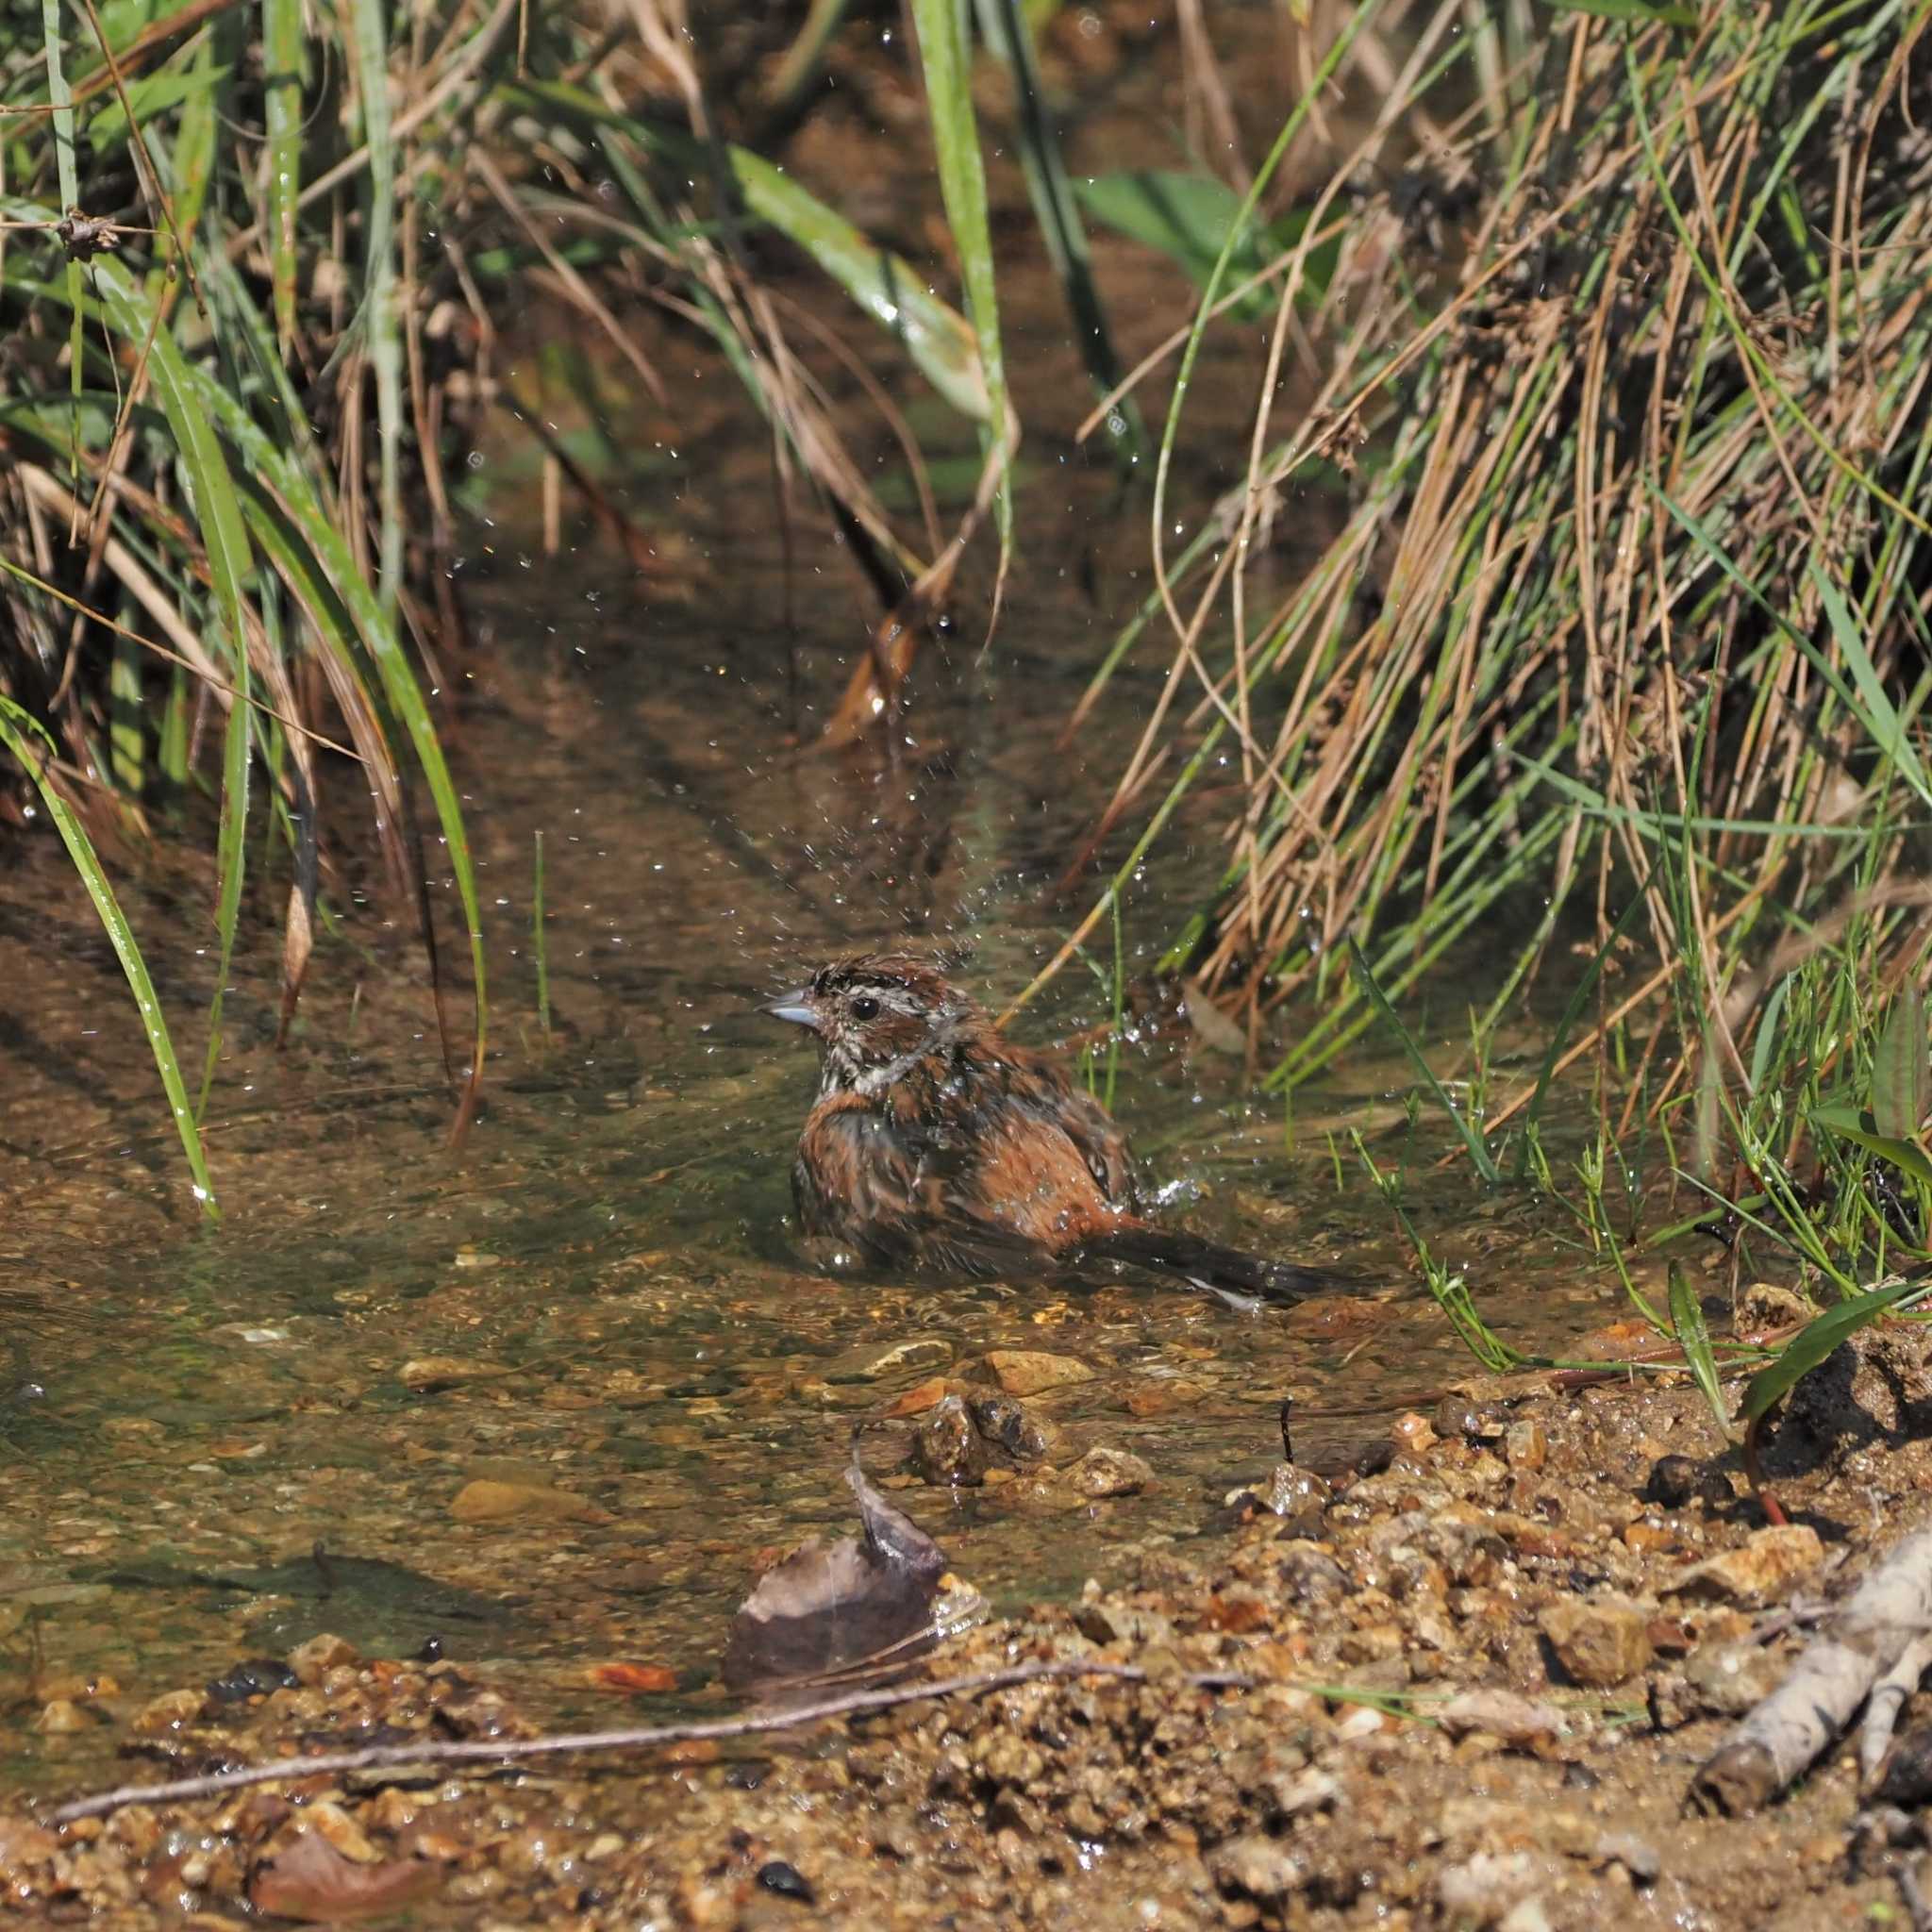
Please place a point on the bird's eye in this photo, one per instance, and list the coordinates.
(865, 1007)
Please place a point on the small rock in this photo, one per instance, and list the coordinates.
(312, 1661)
(949, 1449)
(1524, 1445)
(485, 1501)
(1518, 1720)
(170, 1711)
(1117, 1619)
(1161, 1397)
(1483, 1887)
(1729, 1679)
(1256, 1867)
(427, 1373)
(60, 1717)
(1025, 1437)
(1762, 1572)
(1764, 1305)
(329, 1822)
(1672, 1482)
(918, 1398)
(1411, 1434)
(1525, 1915)
(1290, 1491)
(871, 1359)
(1026, 1372)
(1108, 1473)
(1636, 1856)
(1313, 1790)
(1310, 1575)
(1458, 1417)
(1600, 1642)
(777, 1874)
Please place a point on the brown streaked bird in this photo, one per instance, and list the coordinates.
(934, 1143)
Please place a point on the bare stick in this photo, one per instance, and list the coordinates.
(1883, 1621)
(378, 1757)
(1887, 1700)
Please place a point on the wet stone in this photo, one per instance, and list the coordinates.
(1763, 1572)
(1672, 1481)
(1010, 1426)
(1104, 1472)
(425, 1375)
(485, 1501)
(918, 1399)
(1289, 1492)
(873, 1359)
(170, 1711)
(948, 1449)
(312, 1661)
(1027, 1372)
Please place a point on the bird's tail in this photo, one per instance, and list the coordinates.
(1243, 1280)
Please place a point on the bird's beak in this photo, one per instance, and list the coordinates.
(795, 1007)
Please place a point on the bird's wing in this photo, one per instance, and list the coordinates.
(891, 1186)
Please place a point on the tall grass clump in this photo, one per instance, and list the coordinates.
(250, 267)
(1621, 424)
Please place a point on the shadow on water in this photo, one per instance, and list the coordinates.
(598, 1298)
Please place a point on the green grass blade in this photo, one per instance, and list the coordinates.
(308, 545)
(1472, 1134)
(1877, 713)
(1572, 1011)
(944, 53)
(230, 862)
(1003, 25)
(18, 730)
(1693, 1337)
(281, 35)
(66, 173)
(1765, 1043)
(378, 318)
(1850, 1122)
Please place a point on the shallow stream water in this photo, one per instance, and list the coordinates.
(604, 1279)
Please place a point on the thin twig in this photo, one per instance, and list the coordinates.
(381, 1757)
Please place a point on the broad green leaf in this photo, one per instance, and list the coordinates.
(938, 338)
(1850, 1123)
(1899, 1069)
(1817, 1339)
(1190, 218)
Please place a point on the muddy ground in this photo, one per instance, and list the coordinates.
(1589, 1560)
